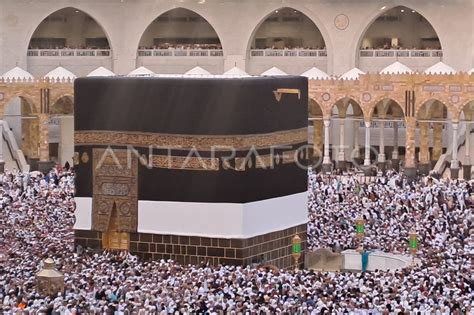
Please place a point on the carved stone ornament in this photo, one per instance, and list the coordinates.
(341, 22)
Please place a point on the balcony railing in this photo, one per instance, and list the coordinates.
(288, 53)
(400, 53)
(180, 53)
(69, 53)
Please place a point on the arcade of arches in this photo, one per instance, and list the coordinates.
(275, 39)
(422, 115)
(435, 112)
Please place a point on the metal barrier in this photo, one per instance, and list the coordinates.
(288, 53)
(69, 53)
(180, 53)
(400, 53)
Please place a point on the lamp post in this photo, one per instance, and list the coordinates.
(360, 230)
(296, 249)
(413, 244)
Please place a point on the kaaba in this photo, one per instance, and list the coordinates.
(192, 169)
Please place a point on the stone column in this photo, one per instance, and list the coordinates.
(367, 169)
(356, 154)
(467, 157)
(317, 144)
(44, 164)
(381, 156)
(410, 167)
(341, 156)
(327, 159)
(437, 141)
(2, 161)
(424, 166)
(66, 140)
(395, 159)
(454, 157)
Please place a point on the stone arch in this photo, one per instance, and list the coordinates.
(76, 9)
(392, 108)
(433, 108)
(21, 115)
(315, 109)
(308, 14)
(468, 110)
(379, 11)
(62, 105)
(343, 104)
(182, 10)
(285, 12)
(31, 106)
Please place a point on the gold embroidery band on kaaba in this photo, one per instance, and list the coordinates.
(187, 142)
(185, 163)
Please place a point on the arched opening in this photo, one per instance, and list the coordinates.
(61, 130)
(70, 38)
(287, 33)
(388, 117)
(401, 34)
(287, 28)
(180, 33)
(24, 125)
(401, 28)
(69, 28)
(347, 119)
(434, 130)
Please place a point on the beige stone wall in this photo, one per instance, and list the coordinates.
(424, 143)
(30, 136)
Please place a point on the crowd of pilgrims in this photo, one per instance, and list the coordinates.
(37, 217)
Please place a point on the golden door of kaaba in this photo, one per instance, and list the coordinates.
(113, 238)
(115, 199)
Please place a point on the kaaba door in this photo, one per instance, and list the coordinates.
(113, 238)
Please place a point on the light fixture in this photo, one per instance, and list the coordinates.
(383, 8)
(276, 11)
(402, 10)
(77, 11)
(413, 11)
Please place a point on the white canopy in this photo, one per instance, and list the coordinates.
(141, 71)
(352, 74)
(60, 73)
(315, 74)
(197, 71)
(101, 72)
(17, 73)
(274, 71)
(471, 71)
(236, 72)
(396, 67)
(440, 68)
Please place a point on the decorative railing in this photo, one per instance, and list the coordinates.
(69, 53)
(288, 53)
(180, 53)
(400, 53)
